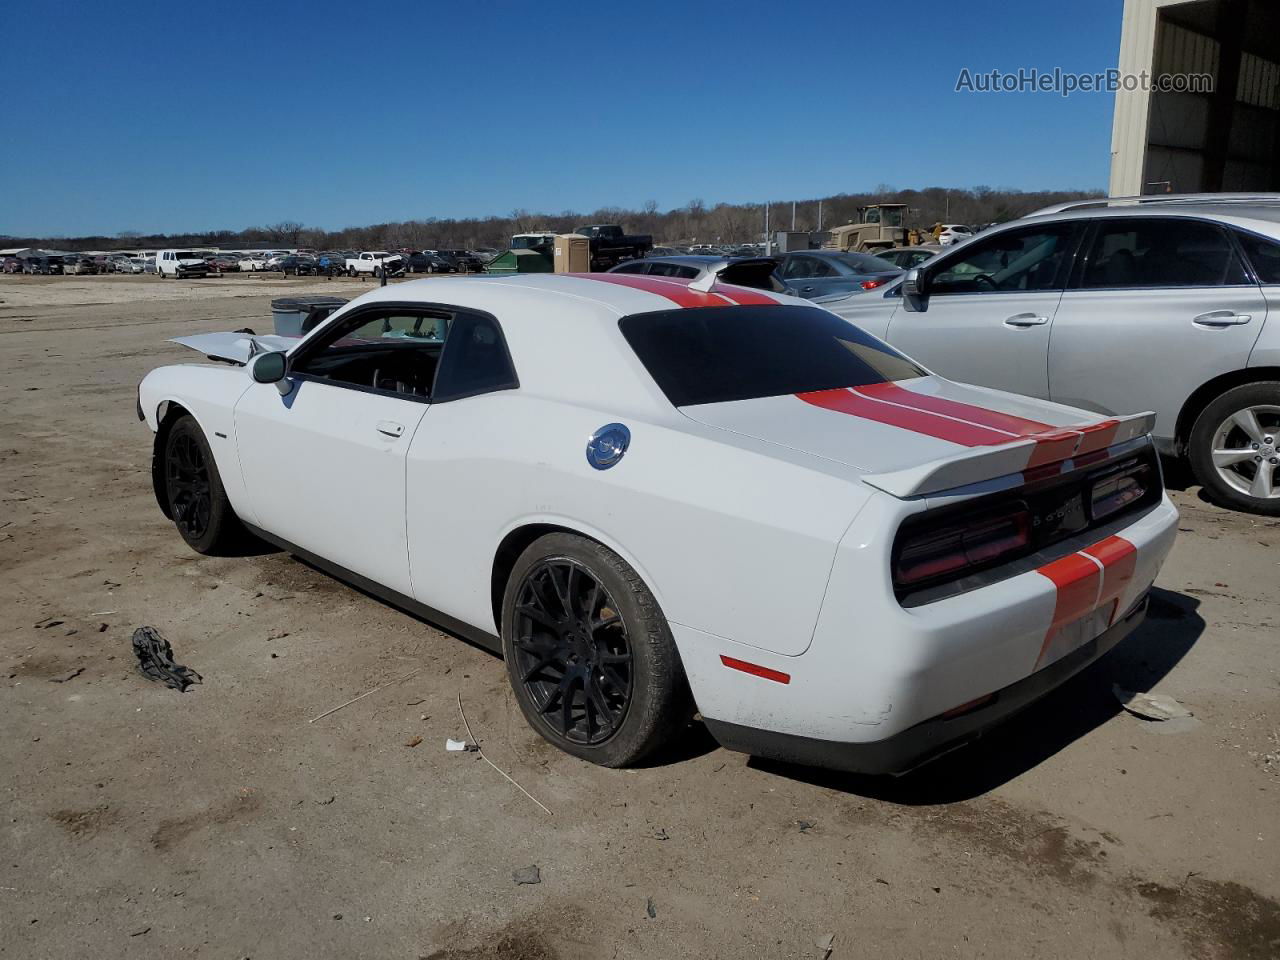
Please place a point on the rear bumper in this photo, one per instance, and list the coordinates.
(930, 739)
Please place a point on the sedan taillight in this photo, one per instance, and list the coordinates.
(970, 543)
(872, 284)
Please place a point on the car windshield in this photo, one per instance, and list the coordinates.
(717, 354)
(187, 255)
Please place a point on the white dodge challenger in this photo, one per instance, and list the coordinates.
(655, 497)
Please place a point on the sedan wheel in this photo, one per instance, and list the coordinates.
(589, 655)
(196, 500)
(1235, 448)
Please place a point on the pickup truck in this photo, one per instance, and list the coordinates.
(374, 263)
(610, 246)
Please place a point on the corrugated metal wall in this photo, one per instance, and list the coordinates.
(1173, 141)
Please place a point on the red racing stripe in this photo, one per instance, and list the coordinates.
(744, 296)
(1076, 578)
(677, 293)
(1098, 436)
(906, 418)
(953, 408)
(1053, 447)
(1119, 559)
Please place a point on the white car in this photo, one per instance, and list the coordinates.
(651, 495)
(953, 233)
(253, 262)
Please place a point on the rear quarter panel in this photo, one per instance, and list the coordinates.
(732, 541)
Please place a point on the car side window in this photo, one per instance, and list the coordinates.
(681, 270)
(802, 268)
(1161, 252)
(634, 266)
(386, 351)
(1264, 255)
(1017, 260)
(475, 361)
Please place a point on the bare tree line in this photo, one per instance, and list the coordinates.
(695, 222)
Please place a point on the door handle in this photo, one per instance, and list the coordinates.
(390, 428)
(1026, 320)
(1222, 318)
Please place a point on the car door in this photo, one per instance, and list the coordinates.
(985, 312)
(324, 464)
(1157, 307)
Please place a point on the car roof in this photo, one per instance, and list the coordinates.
(1258, 212)
(542, 313)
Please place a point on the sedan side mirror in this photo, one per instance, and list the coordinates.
(914, 284)
(271, 368)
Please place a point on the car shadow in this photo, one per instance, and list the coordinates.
(249, 546)
(1070, 712)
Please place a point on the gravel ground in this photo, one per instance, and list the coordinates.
(139, 822)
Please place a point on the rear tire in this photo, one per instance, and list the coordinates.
(589, 654)
(197, 501)
(1234, 448)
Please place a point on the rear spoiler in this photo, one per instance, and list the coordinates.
(1016, 458)
(235, 347)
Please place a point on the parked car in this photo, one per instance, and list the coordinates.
(462, 261)
(130, 265)
(824, 273)
(953, 233)
(422, 262)
(758, 272)
(1117, 307)
(43, 264)
(224, 262)
(298, 264)
(79, 265)
(11, 265)
(893, 580)
(179, 264)
(331, 264)
(252, 262)
(149, 265)
(904, 258)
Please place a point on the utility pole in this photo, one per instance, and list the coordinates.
(768, 238)
(793, 215)
(819, 216)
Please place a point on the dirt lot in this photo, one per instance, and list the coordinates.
(139, 822)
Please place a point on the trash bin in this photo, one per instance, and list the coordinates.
(294, 316)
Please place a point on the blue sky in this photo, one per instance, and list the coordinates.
(142, 116)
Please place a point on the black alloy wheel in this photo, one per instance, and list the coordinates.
(190, 487)
(573, 653)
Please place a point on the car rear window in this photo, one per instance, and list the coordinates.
(717, 354)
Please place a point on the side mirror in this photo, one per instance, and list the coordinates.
(914, 284)
(271, 368)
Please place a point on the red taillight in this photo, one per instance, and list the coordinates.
(872, 284)
(974, 542)
(1115, 491)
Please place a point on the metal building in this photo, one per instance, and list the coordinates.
(1184, 139)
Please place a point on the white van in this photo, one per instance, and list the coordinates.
(180, 263)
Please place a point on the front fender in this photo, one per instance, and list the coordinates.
(209, 394)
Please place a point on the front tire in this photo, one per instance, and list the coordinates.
(589, 654)
(197, 501)
(1234, 448)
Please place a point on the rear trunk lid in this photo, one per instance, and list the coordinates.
(926, 435)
